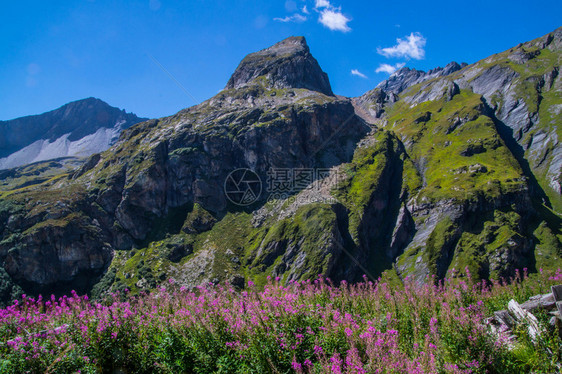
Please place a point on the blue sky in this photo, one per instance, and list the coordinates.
(54, 52)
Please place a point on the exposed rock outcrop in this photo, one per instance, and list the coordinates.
(287, 64)
(406, 77)
(427, 173)
(279, 113)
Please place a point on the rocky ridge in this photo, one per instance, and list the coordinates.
(77, 129)
(424, 175)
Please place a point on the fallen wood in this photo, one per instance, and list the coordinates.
(557, 294)
(556, 322)
(545, 302)
(504, 318)
(522, 315)
(502, 322)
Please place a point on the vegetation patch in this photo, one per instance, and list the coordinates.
(456, 149)
(303, 327)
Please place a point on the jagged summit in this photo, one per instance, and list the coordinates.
(287, 64)
(456, 171)
(406, 77)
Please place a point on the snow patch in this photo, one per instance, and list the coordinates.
(42, 150)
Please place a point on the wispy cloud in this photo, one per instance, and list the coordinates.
(410, 47)
(297, 18)
(334, 19)
(322, 4)
(358, 73)
(386, 68)
(329, 16)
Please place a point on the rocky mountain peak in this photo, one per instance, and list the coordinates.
(287, 64)
(409, 175)
(78, 128)
(406, 77)
(291, 45)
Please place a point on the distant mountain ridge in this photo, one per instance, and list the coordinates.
(79, 128)
(429, 173)
(406, 77)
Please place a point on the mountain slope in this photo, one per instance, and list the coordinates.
(418, 177)
(471, 134)
(159, 170)
(79, 129)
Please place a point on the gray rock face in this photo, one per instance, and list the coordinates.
(487, 82)
(287, 64)
(403, 233)
(406, 77)
(371, 105)
(516, 94)
(76, 120)
(428, 215)
(160, 166)
(434, 91)
(64, 253)
(164, 179)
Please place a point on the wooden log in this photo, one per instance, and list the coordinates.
(522, 315)
(557, 292)
(545, 302)
(504, 318)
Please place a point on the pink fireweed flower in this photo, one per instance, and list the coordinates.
(336, 362)
(318, 350)
(295, 365)
(433, 325)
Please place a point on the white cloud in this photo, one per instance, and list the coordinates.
(328, 15)
(358, 73)
(386, 68)
(322, 4)
(333, 19)
(298, 18)
(411, 47)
